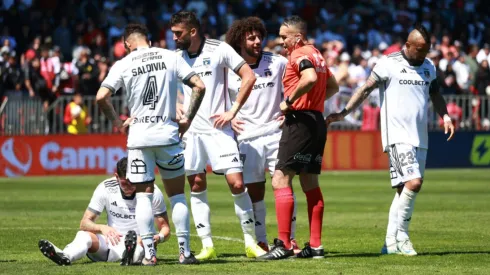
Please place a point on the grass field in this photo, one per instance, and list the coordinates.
(450, 228)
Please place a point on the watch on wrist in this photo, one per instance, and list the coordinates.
(288, 102)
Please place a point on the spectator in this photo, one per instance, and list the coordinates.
(87, 73)
(370, 116)
(76, 116)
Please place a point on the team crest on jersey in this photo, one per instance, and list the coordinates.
(427, 74)
(267, 73)
(206, 61)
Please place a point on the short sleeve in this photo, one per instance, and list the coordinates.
(184, 71)
(158, 203)
(98, 201)
(381, 71)
(229, 57)
(114, 80)
(299, 56)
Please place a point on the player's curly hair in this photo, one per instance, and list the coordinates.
(237, 31)
(121, 167)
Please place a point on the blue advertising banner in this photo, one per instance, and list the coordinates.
(465, 150)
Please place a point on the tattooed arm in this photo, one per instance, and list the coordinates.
(198, 91)
(88, 224)
(359, 96)
(103, 100)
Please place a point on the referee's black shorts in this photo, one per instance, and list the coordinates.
(302, 142)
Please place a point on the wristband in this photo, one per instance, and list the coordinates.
(162, 238)
(447, 118)
(235, 108)
(288, 102)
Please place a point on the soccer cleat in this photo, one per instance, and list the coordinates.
(295, 246)
(207, 253)
(264, 246)
(152, 262)
(278, 252)
(53, 253)
(188, 260)
(130, 247)
(390, 249)
(310, 252)
(405, 248)
(254, 251)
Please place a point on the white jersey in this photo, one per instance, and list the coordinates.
(261, 109)
(150, 77)
(120, 209)
(404, 96)
(211, 63)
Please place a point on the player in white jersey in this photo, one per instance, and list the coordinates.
(150, 77)
(406, 81)
(103, 242)
(258, 124)
(210, 138)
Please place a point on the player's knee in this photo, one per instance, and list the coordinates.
(414, 185)
(197, 183)
(237, 186)
(281, 179)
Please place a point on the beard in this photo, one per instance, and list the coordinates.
(184, 44)
(251, 52)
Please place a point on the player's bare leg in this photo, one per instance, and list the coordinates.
(144, 219)
(84, 242)
(175, 189)
(314, 198)
(283, 193)
(201, 215)
(405, 210)
(244, 212)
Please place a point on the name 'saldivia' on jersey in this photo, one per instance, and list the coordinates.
(150, 77)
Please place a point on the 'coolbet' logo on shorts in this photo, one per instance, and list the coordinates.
(480, 152)
(17, 158)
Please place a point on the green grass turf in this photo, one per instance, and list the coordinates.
(450, 227)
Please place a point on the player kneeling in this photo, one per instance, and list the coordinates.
(104, 243)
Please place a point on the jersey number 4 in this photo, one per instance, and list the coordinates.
(150, 91)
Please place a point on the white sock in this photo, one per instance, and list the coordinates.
(259, 214)
(144, 218)
(79, 247)
(392, 221)
(293, 220)
(139, 254)
(202, 217)
(181, 220)
(244, 212)
(405, 209)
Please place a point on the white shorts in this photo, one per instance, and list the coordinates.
(110, 253)
(257, 154)
(218, 149)
(406, 163)
(141, 163)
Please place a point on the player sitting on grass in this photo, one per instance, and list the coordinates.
(103, 243)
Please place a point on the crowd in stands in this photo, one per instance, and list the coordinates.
(51, 48)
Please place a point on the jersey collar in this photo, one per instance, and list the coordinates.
(142, 47)
(194, 55)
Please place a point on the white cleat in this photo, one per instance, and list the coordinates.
(406, 248)
(390, 249)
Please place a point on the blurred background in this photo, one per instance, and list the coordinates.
(55, 54)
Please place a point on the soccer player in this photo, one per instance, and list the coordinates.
(406, 79)
(150, 77)
(103, 243)
(210, 137)
(258, 124)
(307, 84)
